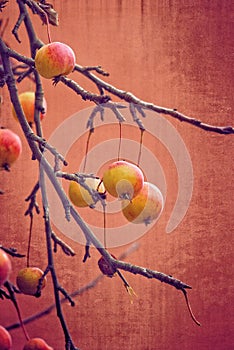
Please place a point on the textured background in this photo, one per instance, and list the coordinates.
(177, 54)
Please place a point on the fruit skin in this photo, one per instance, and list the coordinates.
(37, 344)
(27, 101)
(10, 148)
(145, 207)
(79, 196)
(27, 280)
(123, 179)
(5, 339)
(55, 59)
(5, 267)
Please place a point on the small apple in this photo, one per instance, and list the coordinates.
(123, 179)
(27, 280)
(145, 207)
(55, 59)
(5, 339)
(5, 267)
(80, 197)
(27, 101)
(106, 268)
(37, 344)
(10, 148)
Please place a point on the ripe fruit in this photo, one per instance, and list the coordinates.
(122, 179)
(36, 344)
(80, 196)
(5, 339)
(145, 207)
(10, 148)
(27, 101)
(55, 59)
(5, 267)
(28, 280)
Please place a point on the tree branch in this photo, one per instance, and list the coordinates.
(131, 98)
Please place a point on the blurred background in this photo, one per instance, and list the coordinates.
(176, 54)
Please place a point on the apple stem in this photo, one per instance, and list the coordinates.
(140, 149)
(29, 238)
(120, 140)
(101, 181)
(104, 223)
(189, 307)
(14, 301)
(47, 26)
(91, 131)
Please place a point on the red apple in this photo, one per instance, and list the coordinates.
(5, 339)
(145, 207)
(55, 59)
(27, 280)
(5, 267)
(36, 344)
(123, 179)
(79, 196)
(10, 148)
(27, 101)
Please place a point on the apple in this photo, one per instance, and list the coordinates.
(27, 280)
(123, 179)
(5, 267)
(27, 101)
(55, 59)
(5, 339)
(106, 268)
(145, 207)
(37, 344)
(10, 148)
(79, 196)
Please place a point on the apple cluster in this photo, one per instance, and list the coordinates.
(142, 201)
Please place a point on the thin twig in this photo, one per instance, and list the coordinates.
(65, 247)
(12, 251)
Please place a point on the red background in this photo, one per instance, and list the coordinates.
(179, 55)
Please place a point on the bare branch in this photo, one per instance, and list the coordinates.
(86, 95)
(65, 247)
(12, 251)
(130, 98)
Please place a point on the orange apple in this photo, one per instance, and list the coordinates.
(37, 344)
(79, 196)
(5, 339)
(10, 148)
(55, 59)
(145, 207)
(123, 179)
(27, 101)
(27, 280)
(5, 267)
